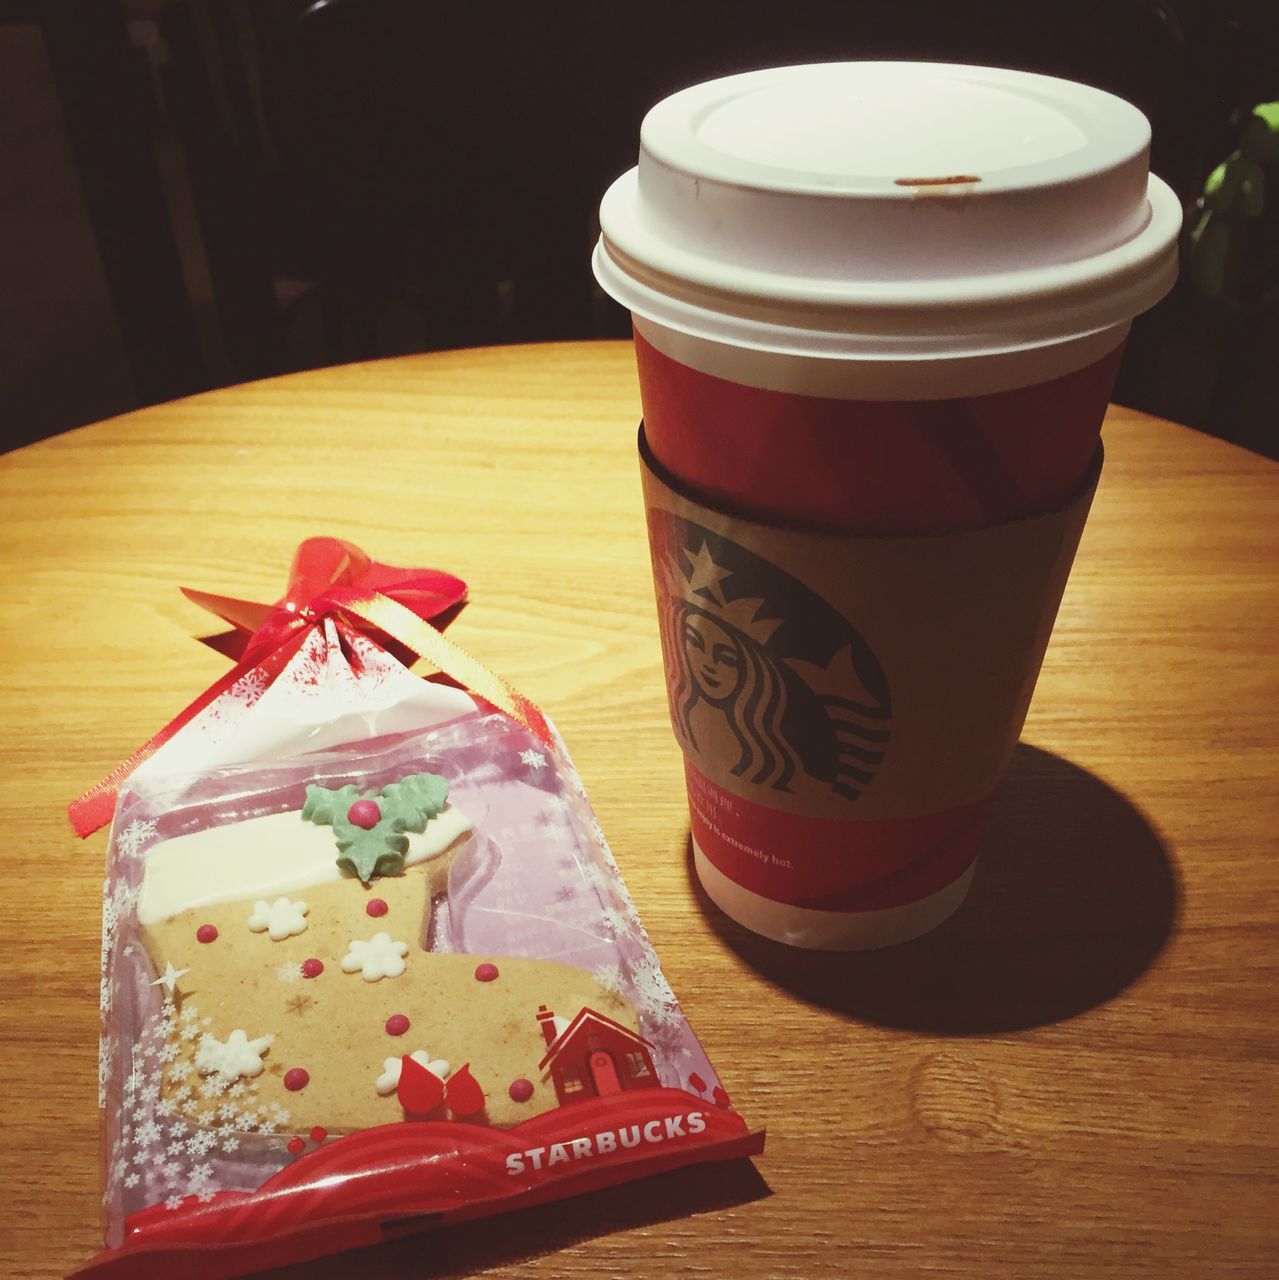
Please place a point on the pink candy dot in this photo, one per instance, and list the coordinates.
(521, 1090)
(319, 1133)
(485, 972)
(396, 1025)
(376, 907)
(364, 813)
(296, 1146)
(296, 1079)
(312, 968)
(206, 933)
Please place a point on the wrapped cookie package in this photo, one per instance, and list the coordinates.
(373, 988)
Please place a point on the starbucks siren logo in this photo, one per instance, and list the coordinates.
(762, 672)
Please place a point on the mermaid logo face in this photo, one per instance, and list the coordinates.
(714, 658)
(765, 678)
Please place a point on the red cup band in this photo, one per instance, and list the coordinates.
(831, 864)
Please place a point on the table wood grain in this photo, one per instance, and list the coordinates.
(1075, 1076)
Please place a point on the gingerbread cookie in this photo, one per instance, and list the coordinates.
(296, 949)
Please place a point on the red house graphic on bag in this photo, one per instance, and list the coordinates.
(594, 1056)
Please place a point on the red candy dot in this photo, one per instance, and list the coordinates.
(376, 907)
(296, 1146)
(364, 813)
(318, 1134)
(396, 1025)
(521, 1090)
(206, 933)
(312, 968)
(296, 1079)
(485, 972)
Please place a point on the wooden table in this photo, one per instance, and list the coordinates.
(1074, 1077)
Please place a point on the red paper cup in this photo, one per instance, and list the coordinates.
(862, 386)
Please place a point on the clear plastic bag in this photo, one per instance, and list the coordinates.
(295, 1061)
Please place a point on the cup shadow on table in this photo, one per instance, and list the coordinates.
(1073, 899)
(518, 1236)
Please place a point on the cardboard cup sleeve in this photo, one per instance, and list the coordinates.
(848, 677)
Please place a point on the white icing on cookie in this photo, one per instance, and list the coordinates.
(280, 919)
(389, 1080)
(380, 957)
(263, 858)
(236, 1056)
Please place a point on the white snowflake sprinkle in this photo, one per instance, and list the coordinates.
(132, 1180)
(230, 1143)
(534, 759)
(235, 1056)
(165, 1107)
(173, 1202)
(380, 957)
(148, 1133)
(280, 919)
(170, 1052)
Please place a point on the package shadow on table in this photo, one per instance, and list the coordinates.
(1073, 899)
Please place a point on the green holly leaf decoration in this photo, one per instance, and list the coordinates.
(414, 800)
(407, 805)
(322, 804)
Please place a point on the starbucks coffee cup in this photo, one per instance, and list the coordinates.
(878, 313)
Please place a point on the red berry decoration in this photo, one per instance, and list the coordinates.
(206, 933)
(521, 1090)
(318, 1134)
(376, 907)
(485, 972)
(312, 968)
(396, 1025)
(420, 1090)
(463, 1092)
(697, 1082)
(296, 1146)
(364, 813)
(296, 1078)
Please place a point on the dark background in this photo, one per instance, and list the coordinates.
(199, 192)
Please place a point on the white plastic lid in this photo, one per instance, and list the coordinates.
(889, 210)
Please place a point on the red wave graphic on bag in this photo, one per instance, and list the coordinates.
(442, 1169)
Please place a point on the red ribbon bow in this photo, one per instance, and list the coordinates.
(335, 580)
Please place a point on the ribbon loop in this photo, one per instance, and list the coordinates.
(328, 578)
